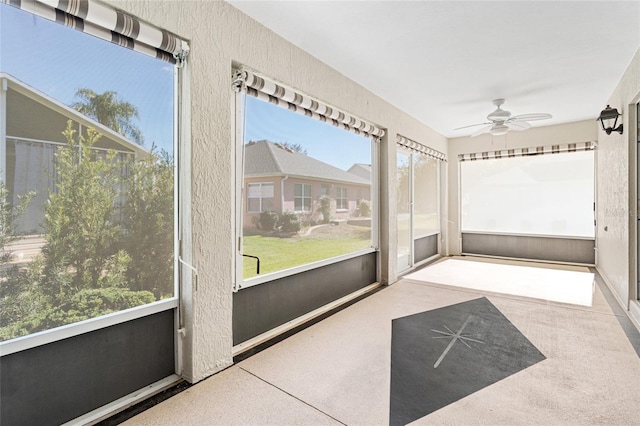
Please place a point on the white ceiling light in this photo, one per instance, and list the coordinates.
(498, 130)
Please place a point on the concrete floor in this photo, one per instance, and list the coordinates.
(338, 370)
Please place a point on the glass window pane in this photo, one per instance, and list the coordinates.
(254, 190)
(267, 204)
(307, 160)
(253, 204)
(425, 196)
(539, 195)
(267, 190)
(404, 209)
(89, 229)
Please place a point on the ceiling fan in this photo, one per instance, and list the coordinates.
(501, 121)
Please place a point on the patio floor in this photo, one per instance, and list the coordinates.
(568, 364)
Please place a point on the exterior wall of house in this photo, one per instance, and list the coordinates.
(28, 166)
(220, 36)
(617, 205)
(354, 193)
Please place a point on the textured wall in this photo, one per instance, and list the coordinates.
(581, 131)
(220, 36)
(616, 197)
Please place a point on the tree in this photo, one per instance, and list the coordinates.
(294, 147)
(149, 223)
(80, 217)
(9, 214)
(108, 109)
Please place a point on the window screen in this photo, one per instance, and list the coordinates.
(317, 180)
(87, 176)
(536, 195)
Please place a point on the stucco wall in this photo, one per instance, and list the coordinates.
(581, 131)
(220, 36)
(616, 191)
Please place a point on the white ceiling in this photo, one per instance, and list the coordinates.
(443, 62)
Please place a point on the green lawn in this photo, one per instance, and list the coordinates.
(277, 253)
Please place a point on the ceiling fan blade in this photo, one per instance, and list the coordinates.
(471, 125)
(531, 117)
(485, 129)
(518, 125)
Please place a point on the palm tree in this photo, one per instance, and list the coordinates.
(108, 109)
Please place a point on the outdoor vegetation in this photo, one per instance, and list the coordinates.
(277, 253)
(289, 239)
(109, 240)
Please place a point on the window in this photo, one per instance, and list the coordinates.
(426, 220)
(260, 197)
(549, 194)
(306, 160)
(87, 198)
(302, 197)
(342, 203)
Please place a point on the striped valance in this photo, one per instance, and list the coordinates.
(523, 152)
(285, 97)
(108, 24)
(418, 147)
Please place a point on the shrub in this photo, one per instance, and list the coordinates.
(149, 222)
(9, 215)
(325, 208)
(80, 216)
(268, 221)
(364, 208)
(289, 222)
(83, 305)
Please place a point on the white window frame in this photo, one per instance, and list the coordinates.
(260, 198)
(302, 197)
(238, 172)
(342, 199)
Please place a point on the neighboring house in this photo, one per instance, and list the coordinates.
(362, 170)
(279, 179)
(31, 126)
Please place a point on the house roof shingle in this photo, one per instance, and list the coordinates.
(266, 158)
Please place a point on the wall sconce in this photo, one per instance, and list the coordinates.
(606, 116)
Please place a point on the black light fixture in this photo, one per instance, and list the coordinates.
(608, 114)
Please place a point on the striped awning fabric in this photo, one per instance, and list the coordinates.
(523, 152)
(109, 24)
(418, 147)
(269, 91)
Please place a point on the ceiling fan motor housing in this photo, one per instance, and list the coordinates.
(499, 115)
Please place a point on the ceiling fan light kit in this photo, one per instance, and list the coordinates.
(498, 129)
(501, 121)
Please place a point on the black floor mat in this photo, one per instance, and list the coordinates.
(443, 355)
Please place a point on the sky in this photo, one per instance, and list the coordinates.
(322, 141)
(58, 61)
